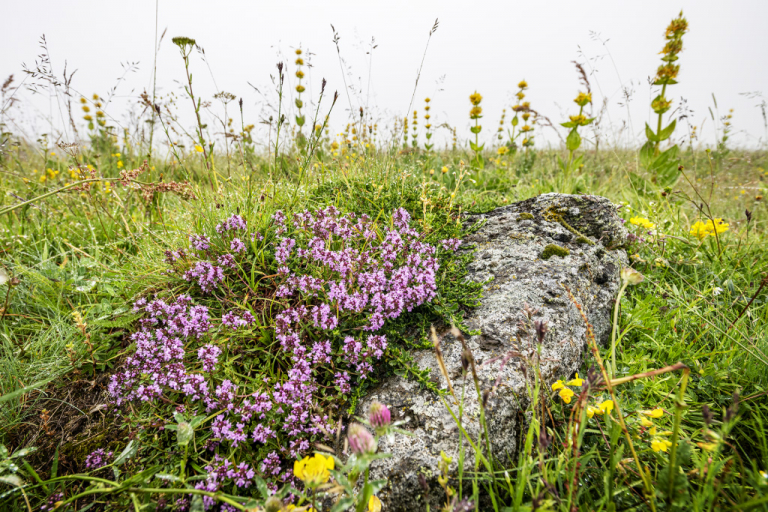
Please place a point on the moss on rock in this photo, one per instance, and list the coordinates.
(525, 216)
(554, 250)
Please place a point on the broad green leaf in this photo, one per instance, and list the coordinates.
(667, 132)
(573, 141)
(184, 434)
(650, 134)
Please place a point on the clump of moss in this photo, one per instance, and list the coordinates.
(525, 216)
(554, 250)
(581, 239)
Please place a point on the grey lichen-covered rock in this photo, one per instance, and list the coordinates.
(508, 259)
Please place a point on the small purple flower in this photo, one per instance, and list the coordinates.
(237, 245)
(451, 244)
(97, 459)
(209, 356)
(50, 503)
(200, 242)
(234, 223)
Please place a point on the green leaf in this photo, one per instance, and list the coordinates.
(667, 132)
(344, 504)
(55, 464)
(23, 452)
(19, 392)
(300, 120)
(646, 155)
(184, 434)
(573, 141)
(476, 129)
(197, 504)
(12, 480)
(128, 452)
(515, 121)
(569, 124)
(650, 134)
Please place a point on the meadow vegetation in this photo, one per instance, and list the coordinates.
(189, 316)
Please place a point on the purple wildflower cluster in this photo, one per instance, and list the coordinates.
(97, 459)
(342, 279)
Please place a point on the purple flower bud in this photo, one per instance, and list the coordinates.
(360, 440)
(379, 415)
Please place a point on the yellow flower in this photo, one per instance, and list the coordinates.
(575, 382)
(591, 411)
(583, 98)
(313, 471)
(475, 112)
(701, 230)
(119, 164)
(558, 385)
(520, 95)
(300, 74)
(606, 406)
(95, 97)
(431, 171)
(427, 100)
(655, 413)
(523, 84)
(83, 100)
(707, 446)
(88, 117)
(86, 108)
(566, 394)
(299, 61)
(444, 169)
(298, 51)
(475, 98)
(198, 148)
(640, 221)
(300, 88)
(374, 504)
(660, 445)
(646, 422)
(502, 150)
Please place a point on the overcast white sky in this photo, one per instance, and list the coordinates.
(488, 46)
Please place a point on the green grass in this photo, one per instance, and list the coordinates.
(95, 253)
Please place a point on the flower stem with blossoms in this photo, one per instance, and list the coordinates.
(476, 113)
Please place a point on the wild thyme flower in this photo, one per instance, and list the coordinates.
(97, 459)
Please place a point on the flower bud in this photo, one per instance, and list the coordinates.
(378, 415)
(273, 504)
(631, 276)
(360, 440)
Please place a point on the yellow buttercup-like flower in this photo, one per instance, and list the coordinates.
(660, 445)
(566, 394)
(701, 230)
(314, 470)
(198, 148)
(583, 99)
(575, 382)
(502, 150)
(374, 504)
(606, 406)
(640, 221)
